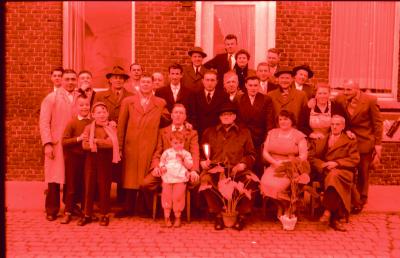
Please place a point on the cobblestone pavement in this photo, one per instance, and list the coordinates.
(28, 234)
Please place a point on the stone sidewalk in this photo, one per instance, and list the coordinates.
(370, 234)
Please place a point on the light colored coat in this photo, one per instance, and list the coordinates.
(56, 111)
(137, 136)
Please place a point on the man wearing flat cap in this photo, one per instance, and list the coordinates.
(301, 75)
(113, 98)
(230, 157)
(289, 98)
(193, 73)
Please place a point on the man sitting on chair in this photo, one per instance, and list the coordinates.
(334, 160)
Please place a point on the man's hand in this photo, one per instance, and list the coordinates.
(238, 168)
(378, 155)
(312, 103)
(316, 135)
(188, 125)
(112, 124)
(49, 151)
(205, 164)
(329, 164)
(193, 176)
(156, 172)
(163, 170)
(350, 134)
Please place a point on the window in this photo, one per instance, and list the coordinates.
(365, 46)
(98, 36)
(252, 22)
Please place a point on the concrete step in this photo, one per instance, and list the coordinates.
(29, 196)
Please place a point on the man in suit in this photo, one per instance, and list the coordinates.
(56, 77)
(273, 58)
(193, 73)
(256, 112)
(175, 92)
(208, 101)
(289, 98)
(55, 112)
(366, 123)
(138, 126)
(334, 160)
(264, 75)
(113, 98)
(301, 75)
(136, 72)
(224, 62)
(231, 86)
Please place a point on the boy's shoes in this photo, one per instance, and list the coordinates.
(338, 226)
(168, 222)
(66, 219)
(239, 225)
(84, 220)
(104, 221)
(177, 222)
(219, 223)
(123, 214)
(51, 217)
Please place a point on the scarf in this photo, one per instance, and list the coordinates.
(110, 131)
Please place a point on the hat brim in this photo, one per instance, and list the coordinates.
(278, 73)
(201, 53)
(108, 76)
(233, 110)
(310, 73)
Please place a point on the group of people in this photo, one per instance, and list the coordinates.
(264, 132)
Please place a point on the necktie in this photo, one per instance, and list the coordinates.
(197, 71)
(175, 93)
(208, 98)
(230, 61)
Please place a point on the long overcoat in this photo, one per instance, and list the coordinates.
(137, 136)
(56, 111)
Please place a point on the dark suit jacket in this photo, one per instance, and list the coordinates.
(112, 102)
(242, 74)
(185, 97)
(259, 117)
(191, 144)
(296, 103)
(366, 122)
(207, 114)
(191, 80)
(219, 62)
(271, 87)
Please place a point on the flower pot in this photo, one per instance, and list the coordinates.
(287, 222)
(229, 219)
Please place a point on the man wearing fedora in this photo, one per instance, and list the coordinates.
(113, 98)
(193, 73)
(301, 75)
(231, 157)
(289, 98)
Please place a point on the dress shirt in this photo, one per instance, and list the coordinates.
(252, 99)
(207, 94)
(80, 118)
(175, 90)
(231, 61)
(177, 128)
(196, 69)
(298, 86)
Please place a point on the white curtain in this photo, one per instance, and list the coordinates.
(74, 33)
(238, 20)
(362, 44)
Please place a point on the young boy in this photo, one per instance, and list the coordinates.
(102, 150)
(75, 157)
(174, 165)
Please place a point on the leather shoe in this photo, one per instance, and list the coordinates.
(338, 226)
(50, 217)
(77, 211)
(67, 219)
(177, 222)
(123, 214)
(239, 225)
(84, 220)
(357, 209)
(219, 223)
(326, 217)
(104, 221)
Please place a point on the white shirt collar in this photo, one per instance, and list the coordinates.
(82, 117)
(173, 87)
(211, 92)
(176, 128)
(298, 86)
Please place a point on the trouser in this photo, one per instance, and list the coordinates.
(52, 203)
(363, 176)
(98, 172)
(117, 178)
(173, 198)
(74, 175)
(334, 203)
(214, 202)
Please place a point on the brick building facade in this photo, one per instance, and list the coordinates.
(34, 45)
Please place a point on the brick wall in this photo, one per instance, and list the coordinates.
(165, 31)
(33, 48)
(389, 172)
(303, 34)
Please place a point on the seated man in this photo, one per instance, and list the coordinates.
(228, 163)
(334, 160)
(178, 115)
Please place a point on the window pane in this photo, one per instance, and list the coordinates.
(238, 20)
(362, 44)
(108, 38)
